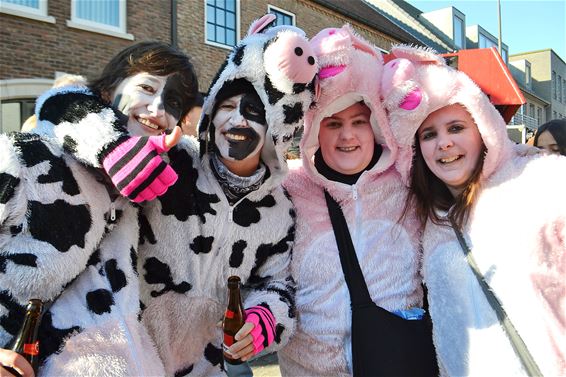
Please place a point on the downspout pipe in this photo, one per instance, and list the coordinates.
(174, 23)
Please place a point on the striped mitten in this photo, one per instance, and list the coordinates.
(263, 332)
(137, 170)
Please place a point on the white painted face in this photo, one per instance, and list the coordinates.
(240, 127)
(152, 103)
(451, 145)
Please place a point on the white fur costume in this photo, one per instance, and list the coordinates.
(195, 240)
(518, 243)
(350, 70)
(58, 242)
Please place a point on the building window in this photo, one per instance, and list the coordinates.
(459, 36)
(283, 17)
(15, 113)
(539, 115)
(100, 14)
(554, 84)
(504, 55)
(532, 110)
(221, 22)
(35, 9)
(485, 42)
(559, 84)
(528, 75)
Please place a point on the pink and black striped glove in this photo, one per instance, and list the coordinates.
(137, 170)
(263, 332)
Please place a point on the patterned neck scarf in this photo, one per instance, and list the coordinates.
(234, 186)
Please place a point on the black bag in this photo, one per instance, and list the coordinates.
(383, 344)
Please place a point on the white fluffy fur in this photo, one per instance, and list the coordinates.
(109, 344)
(387, 251)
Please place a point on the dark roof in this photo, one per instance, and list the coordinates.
(366, 14)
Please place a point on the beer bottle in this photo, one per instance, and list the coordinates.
(25, 343)
(233, 318)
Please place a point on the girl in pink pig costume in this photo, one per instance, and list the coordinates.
(519, 249)
(388, 250)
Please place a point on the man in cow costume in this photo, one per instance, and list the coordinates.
(67, 237)
(228, 213)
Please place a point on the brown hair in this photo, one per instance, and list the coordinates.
(427, 193)
(153, 57)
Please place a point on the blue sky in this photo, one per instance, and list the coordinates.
(526, 25)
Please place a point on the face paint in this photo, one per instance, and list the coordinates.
(240, 127)
(142, 98)
(174, 98)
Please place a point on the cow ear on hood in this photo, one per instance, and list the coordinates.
(259, 25)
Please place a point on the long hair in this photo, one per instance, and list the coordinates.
(153, 57)
(428, 194)
(557, 129)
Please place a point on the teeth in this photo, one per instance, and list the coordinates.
(149, 124)
(235, 137)
(347, 149)
(449, 159)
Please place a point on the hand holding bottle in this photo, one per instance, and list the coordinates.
(13, 360)
(257, 333)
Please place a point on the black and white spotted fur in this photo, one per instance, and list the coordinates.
(59, 244)
(194, 240)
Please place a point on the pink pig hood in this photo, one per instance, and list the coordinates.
(417, 83)
(281, 66)
(350, 71)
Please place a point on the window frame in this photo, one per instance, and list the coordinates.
(237, 31)
(271, 8)
(119, 31)
(38, 14)
(463, 31)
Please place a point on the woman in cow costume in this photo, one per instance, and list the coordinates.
(228, 213)
(348, 152)
(66, 235)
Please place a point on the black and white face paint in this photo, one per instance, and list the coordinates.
(152, 103)
(240, 127)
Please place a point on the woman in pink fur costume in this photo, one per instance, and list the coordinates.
(371, 197)
(463, 170)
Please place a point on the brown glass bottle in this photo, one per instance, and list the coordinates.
(233, 318)
(25, 342)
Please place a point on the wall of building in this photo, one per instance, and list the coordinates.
(34, 49)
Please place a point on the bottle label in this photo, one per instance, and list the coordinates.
(228, 341)
(31, 348)
(229, 314)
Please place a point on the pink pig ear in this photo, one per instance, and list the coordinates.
(417, 54)
(358, 43)
(258, 25)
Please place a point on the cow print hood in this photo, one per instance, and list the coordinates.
(281, 66)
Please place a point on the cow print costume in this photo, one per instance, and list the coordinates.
(67, 238)
(195, 240)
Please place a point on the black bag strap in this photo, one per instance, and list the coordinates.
(517, 342)
(359, 294)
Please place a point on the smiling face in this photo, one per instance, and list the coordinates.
(152, 103)
(346, 139)
(451, 145)
(240, 128)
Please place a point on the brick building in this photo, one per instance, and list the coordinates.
(41, 39)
